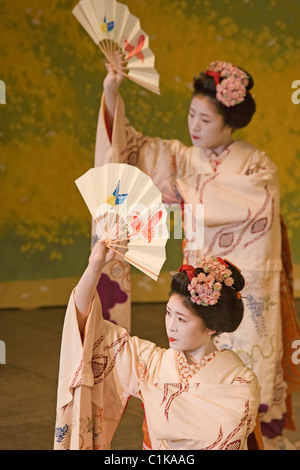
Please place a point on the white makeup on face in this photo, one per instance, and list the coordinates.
(206, 125)
(186, 331)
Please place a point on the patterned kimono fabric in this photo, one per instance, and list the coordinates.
(239, 193)
(210, 405)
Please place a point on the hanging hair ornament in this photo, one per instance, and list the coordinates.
(205, 288)
(231, 82)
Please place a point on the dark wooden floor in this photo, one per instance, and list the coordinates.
(28, 380)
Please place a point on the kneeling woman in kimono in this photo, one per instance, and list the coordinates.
(194, 396)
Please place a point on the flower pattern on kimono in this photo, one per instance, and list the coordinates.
(91, 425)
(256, 307)
(62, 435)
(110, 294)
(86, 424)
(186, 371)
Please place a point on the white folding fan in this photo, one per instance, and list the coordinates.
(129, 214)
(113, 28)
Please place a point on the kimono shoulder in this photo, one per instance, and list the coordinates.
(228, 368)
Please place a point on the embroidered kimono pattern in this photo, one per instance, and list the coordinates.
(240, 194)
(215, 408)
(187, 371)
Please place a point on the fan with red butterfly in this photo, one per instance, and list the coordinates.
(119, 36)
(129, 214)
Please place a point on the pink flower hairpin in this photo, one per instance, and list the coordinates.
(205, 288)
(232, 89)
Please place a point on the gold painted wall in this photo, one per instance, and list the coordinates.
(53, 74)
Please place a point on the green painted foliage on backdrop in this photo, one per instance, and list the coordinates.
(53, 74)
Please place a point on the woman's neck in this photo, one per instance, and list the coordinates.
(198, 354)
(218, 150)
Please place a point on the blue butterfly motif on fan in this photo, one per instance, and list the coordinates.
(116, 199)
(107, 27)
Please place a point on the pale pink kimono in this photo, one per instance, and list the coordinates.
(211, 405)
(240, 198)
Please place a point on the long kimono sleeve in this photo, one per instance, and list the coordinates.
(163, 160)
(96, 378)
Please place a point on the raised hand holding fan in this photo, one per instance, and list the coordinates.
(121, 39)
(129, 214)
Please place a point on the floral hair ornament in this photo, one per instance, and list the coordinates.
(232, 89)
(205, 288)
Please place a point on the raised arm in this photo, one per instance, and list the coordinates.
(117, 141)
(111, 86)
(86, 288)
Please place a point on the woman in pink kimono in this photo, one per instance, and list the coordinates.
(237, 185)
(194, 395)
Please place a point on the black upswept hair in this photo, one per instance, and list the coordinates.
(237, 116)
(223, 317)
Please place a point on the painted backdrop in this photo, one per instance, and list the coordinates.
(53, 76)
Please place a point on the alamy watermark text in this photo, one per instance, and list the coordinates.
(296, 95)
(2, 92)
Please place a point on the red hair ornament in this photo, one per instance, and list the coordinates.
(188, 269)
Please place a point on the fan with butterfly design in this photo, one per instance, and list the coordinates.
(114, 29)
(129, 214)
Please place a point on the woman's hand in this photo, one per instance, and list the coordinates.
(100, 256)
(112, 81)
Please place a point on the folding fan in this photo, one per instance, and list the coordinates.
(113, 28)
(129, 214)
